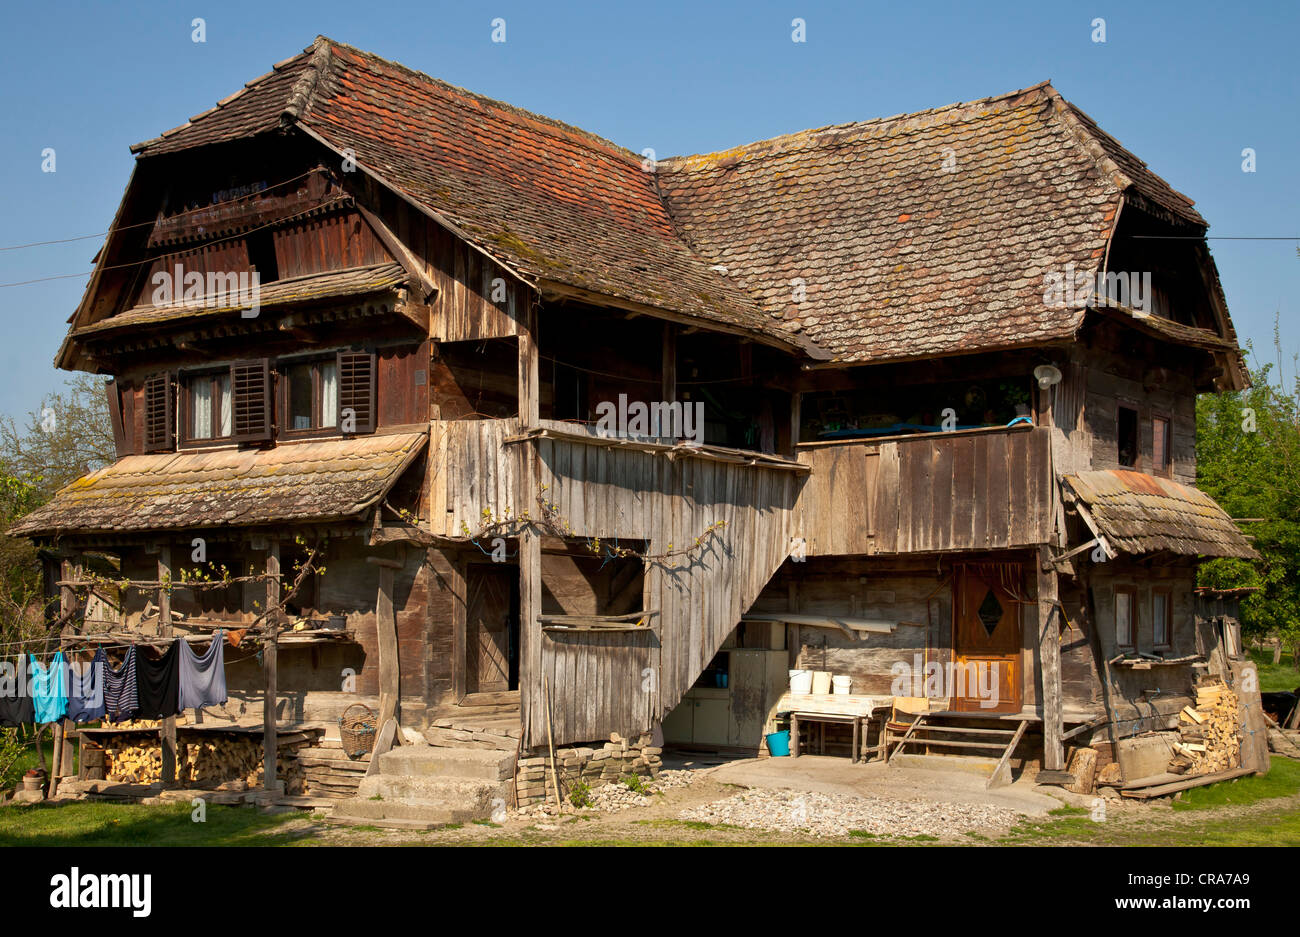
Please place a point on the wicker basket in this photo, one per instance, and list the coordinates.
(357, 730)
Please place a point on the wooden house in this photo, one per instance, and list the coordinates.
(946, 362)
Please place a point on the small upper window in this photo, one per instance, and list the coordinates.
(311, 396)
(1127, 436)
(208, 407)
(1161, 455)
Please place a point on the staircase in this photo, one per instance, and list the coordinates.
(465, 773)
(995, 741)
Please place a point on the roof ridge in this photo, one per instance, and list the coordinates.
(753, 148)
(542, 119)
(1066, 113)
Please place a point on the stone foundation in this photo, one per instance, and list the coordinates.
(592, 765)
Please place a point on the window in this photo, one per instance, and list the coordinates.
(1125, 615)
(1162, 616)
(311, 396)
(207, 407)
(1161, 454)
(1126, 429)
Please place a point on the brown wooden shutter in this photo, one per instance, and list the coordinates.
(114, 396)
(250, 398)
(159, 413)
(356, 371)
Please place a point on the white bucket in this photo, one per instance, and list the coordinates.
(821, 683)
(801, 682)
(843, 685)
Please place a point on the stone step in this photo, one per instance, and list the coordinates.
(387, 823)
(332, 758)
(968, 764)
(449, 737)
(441, 762)
(477, 796)
(386, 810)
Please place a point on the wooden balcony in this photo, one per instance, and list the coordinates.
(966, 490)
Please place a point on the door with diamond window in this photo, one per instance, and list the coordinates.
(986, 648)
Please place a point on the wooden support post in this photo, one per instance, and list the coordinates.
(269, 648)
(167, 731)
(386, 636)
(1049, 657)
(67, 602)
(668, 390)
(796, 418)
(532, 716)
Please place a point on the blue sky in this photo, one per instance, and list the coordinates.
(1187, 86)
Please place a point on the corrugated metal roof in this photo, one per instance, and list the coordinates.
(1139, 513)
(311, 481)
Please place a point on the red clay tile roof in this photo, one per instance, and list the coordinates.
(899, 257)
(1139, 513)
(329, 480)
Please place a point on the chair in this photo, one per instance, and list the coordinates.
(902, 718)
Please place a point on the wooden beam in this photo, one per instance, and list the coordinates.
(167, 731)
(1049, 656)
(529, 410)
(269, 649)
(668, 390)
(386, 636)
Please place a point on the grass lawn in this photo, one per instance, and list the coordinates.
(1275, 678)
(1252, 811)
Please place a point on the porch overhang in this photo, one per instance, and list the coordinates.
(1138, 514)
(313, 482)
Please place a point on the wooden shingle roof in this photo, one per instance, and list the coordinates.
(1139, 513)
(328, 480)
(911, 236)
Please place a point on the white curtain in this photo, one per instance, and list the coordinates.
(329, 394)
(223, 384)
(201, 408)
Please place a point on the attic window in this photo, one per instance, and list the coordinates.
(1126, 427)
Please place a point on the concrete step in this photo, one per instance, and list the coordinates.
(969, 764)
(477, 796)
(439, 762)
(388, 823)
(386, 810)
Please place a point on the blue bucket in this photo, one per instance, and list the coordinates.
(778, 744)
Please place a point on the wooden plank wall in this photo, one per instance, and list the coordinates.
(927, 494)
(469, 471)
(329, 242)
(621, 682)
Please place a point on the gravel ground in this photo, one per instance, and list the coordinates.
(615, 796)
(839, 814)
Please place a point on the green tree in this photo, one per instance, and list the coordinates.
(1248, 459)
(69, 435)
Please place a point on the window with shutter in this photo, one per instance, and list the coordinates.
(159, 413)
(356, 380)
(250, 389)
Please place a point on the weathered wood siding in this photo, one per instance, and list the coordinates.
(470, 470)
(927, 493)
(621, 682)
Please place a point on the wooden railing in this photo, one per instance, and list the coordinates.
(965, 490)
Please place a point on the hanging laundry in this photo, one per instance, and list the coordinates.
(120, 697)
(203, 679)
(49, 687)
(86, 688)
(15, 702)
(158, 684)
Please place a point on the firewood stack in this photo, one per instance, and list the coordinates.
(230, 762)
(1209, 736)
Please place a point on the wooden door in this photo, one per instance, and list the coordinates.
(491, 628)
(987, 676)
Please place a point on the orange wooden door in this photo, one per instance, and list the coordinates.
(488, 628)
(986, 648)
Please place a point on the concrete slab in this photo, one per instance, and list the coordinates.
(826, 774)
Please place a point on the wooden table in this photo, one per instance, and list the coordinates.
(832, 707)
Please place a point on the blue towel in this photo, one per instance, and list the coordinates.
(49, 686)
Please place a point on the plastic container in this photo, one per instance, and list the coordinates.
(801, 682)
(778, 743)
(841, 684)
(821, 682)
